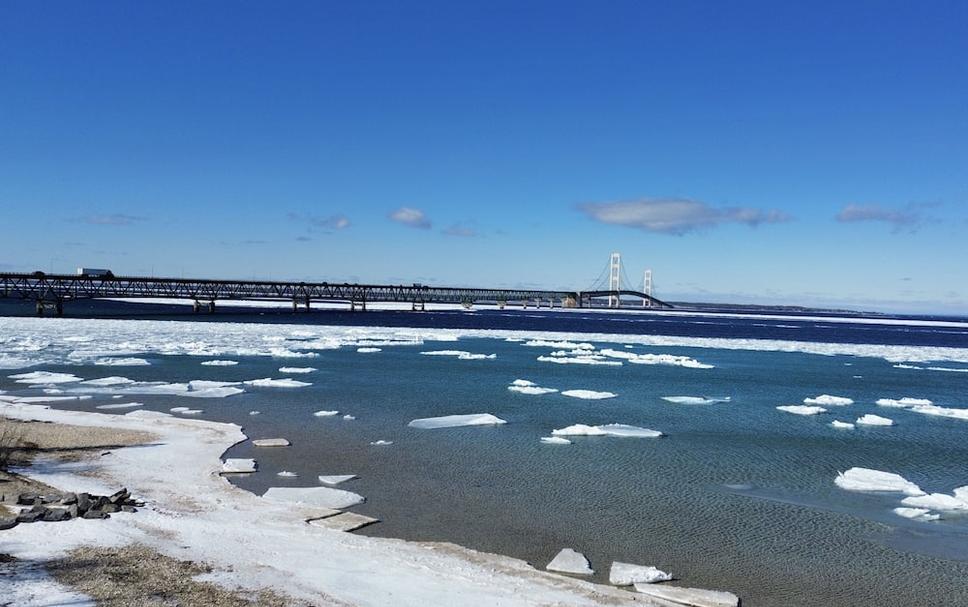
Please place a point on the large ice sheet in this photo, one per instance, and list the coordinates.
(826, 400)
(874, 420)
(866, 479)
(941, 411)
(936, 501)
(451, 421)
(802, 409)
(324, 497)
(268, 382)
(626, 574)
(570, 561)
(621, 430)
(903, 403)
(918, 514)
(45, 377)
(589, 394)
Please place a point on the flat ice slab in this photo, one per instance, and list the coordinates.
(828, 401)
(45, 377)
(368, 350)
(626, 574)
(219, 363)
(801, 409)
(917, 514)
(865, 479)
(874, 420)
(936, 501)
(451, 421)
(903, 403)
(569, 561)
(460, 354)
(296, 370)
(693, 597)
(588, 394)
(555, 440)
(271, 442)
(326, 413)
(335, 479)
(268, 382)
(344, 521)
(239, 465)
(842, 425)
(325, 497)
(695, 400)
(120, 406)
(622, 430)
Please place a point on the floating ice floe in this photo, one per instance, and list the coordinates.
(559, 345)
(268, 382)
(255, 412)
(326, 413)
(941, 411)
(588, 394)
(213, 392)
(904, 403)
(287, 474)
(919, 368)
(381, 442)
(569, 561)
(695, 400)
(239, 465)
(655, 359)
(866, 479)
(828, 401)
(122, 362)
(335, 479)
(349, 418)
(219, 363)
(621, 430)
(45, 377)
(369, 350)
(579, 360)
(297, 370)
(802, 409)
(205, 384)
(874, 420)
(120, 406)
(692, 597)
(324, 497)
(842, 425)
(918, 514)
(40, 400)
(460, 354)
(271, 442)
(626, 574)
(555, 440)
(179, 409)
(524, 386)
(936, 501)
(452, 421)
(185, 410)
(108, 381)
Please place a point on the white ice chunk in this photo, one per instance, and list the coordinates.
(287, 474)
(621, 430)
(255, 412)
(268, 382)
(204, 384)
(655, 359)
(349, 418)
(695, 400)
(460, 354)
(191, 412)
(919, 514)
(239, 465)
(555, 440)
(271, 442)
(828, 401)
(122, 362)
(213, 392)
(297, 370)
(335, 479)
(936, 501)
(381, 442)
(535, 390)
(451, 421)
(692, 597)
(326, 413)
(941, 411)
(38, 400)
(324, 497)
(120, 406)
(626, 574)
(109, 381)
(903, 403)
(874, 420)
(842, 425)
(220, 363)
(588, 394)
(569, 561)
(579, 360)
(559, 345)
(801, 409)
(45, 377)
(865, 479)
(179, 409)
(522, 383)
(369, 350)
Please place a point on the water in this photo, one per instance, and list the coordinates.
(738, 496)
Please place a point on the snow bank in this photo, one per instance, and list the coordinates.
(569, 561)
(452, 421)
(866, 479)
(827, 400)
(802, 409)
(626, 574)
(621, 430)
(874, 420)
(695, 400)
(268, 382)
(323, 497)
(589, 394)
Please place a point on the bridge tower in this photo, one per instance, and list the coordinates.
(647, 289)
(614, 279)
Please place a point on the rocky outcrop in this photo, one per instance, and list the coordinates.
(51, 509)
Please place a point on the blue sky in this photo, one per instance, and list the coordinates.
(778, 152)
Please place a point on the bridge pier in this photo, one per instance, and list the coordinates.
(57, 306)
(354, 304)
(418, 306)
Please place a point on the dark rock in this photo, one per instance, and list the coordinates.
(8, 523)
(28, 517)
(54, 515)
(38, 508)
(70, 499)
(119, 497)
(127, 508)
(95, 514)
(72, 510)
(109, 507)
(83, 502)
(26, 499)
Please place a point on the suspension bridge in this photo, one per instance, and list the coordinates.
(50, 292)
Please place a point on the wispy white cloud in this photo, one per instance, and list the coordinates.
(415, 218)
(907, 218)
(677, 216)
(111, 219)
(461, 230)
(331, 222)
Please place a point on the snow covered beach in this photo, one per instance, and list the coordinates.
(254, 543)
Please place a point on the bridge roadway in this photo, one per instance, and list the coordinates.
(50, 291)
